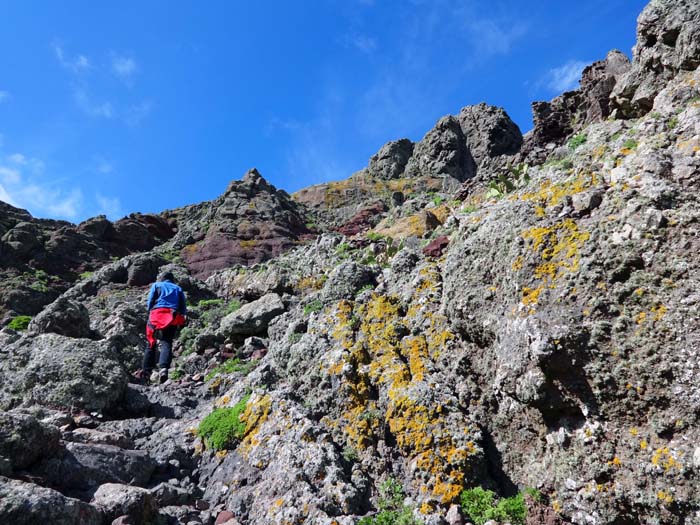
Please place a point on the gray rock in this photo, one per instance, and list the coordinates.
(252, 318)
(84, 467)
(489, 132)
(55, 370)
(390, 161)
(443, 152)
(345, 281)
(668, 41)
(115, 500)
(24, 440)
(64, 317)
(29, 504)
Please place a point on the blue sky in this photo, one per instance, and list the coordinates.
(146, 106)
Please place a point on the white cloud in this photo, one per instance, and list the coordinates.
(9, 175)
(565, 77)
(104, 167)
(124, 67)
(6, 197)
(91, 108)
(75, 64)
(363, 43)
(490, 37)
(23, 184)
(109, 206)
(4, 95)
(17, 158)
(136, 113)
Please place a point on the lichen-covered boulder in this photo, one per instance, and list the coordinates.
(29, 504)
(55, 370)
(24, 440)
(115, 500)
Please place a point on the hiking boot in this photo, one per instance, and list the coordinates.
(163, 375)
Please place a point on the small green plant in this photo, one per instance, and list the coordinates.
(534, 494)
(630, 144)
(343, 249)
(232, 365)
(176, 374)
(206, 304)
(577, 140)
(294, 338)
(364, 289)
(469, 208)
(19, 323)
(507, 181)
(437, 200)
(234, 305)
(350, 454)
(478, 505)
(86, 275)
(314, 306)
(374, 236)
(673, 122)
(223, 428)
(392, 511)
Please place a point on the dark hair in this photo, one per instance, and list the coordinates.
(167, 276)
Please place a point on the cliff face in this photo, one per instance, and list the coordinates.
(478, 309)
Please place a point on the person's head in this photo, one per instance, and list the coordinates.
(167, 276)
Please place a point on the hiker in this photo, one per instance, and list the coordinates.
(167, 312)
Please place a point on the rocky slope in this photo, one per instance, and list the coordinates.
(447, 318)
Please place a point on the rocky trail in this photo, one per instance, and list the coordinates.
(479, 327)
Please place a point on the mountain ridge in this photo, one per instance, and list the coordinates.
(476, 310)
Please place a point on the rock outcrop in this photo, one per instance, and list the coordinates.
(381, 349)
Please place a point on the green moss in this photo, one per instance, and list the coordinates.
(314, 306)
(577, 140)
(86, 275)
(392, 511)
(206, 304)
(231, 366)
(223, 428)
(19, 323)
(630, 144)
(478, 505)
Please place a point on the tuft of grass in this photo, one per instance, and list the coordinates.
(19, 323)
(231, 366)
(86, 275)
(630, 144)
(223, 428)
(314, 306)
(479, 506)
(673, 122)
(392, 511)
(577, 140)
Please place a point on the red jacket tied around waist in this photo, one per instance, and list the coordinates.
(160, 319)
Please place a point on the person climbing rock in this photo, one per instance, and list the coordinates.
(167, 313)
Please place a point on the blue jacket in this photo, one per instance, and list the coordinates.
(165, 294)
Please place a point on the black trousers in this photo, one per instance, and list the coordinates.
(164, 349)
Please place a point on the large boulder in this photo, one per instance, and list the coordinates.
(252, 318)
(346, 280)
(55, 370)
(489, 132)
(390, 161)
(29, 504)
(83, 467)
(24, 440)
(668, 41)
(115, 500)
(443, 152)
(64, 317)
